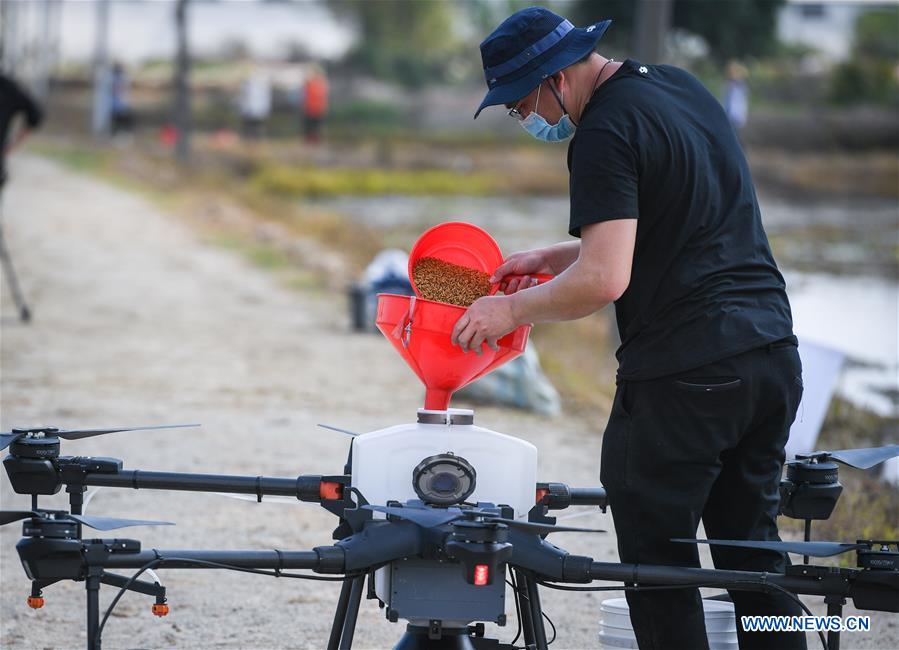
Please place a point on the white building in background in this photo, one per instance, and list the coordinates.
(827, 27)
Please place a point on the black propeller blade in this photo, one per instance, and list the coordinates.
(111, 523)
(863, 458)
(432, 517)
(9, 516)
(812, 549)
(77, 434)
(425, 517)
(541, 529)
(98, 523)
(338, 429)
(7, 438)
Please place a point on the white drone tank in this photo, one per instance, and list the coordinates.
(505, 466)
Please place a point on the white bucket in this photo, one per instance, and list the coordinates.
(615, 630)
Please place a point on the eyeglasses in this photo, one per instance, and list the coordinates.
(515, 111)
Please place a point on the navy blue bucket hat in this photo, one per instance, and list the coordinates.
(529, 46)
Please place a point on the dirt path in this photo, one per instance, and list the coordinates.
(139, 321)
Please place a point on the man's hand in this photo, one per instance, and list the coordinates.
(551, 260)
(488, 319)
(521, 265)
(17, 140)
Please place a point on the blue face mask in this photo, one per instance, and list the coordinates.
(538, 127)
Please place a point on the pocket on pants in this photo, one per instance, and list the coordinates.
(708, 384)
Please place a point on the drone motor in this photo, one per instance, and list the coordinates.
(811, 489)
(881, 555)
(35, 443)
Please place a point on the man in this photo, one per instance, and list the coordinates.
(670, 231)
(14, 100)
(315, 104)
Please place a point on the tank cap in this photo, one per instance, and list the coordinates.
(450, 416)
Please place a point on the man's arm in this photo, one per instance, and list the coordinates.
(599, 275)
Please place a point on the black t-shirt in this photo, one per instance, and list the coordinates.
(654, 145)
(14, 100)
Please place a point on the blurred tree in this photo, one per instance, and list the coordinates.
(623, 14)
(409, 41)
(877, 34)
(732, 29)
(870, 75)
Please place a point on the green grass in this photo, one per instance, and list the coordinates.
(288, 181)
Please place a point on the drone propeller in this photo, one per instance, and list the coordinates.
(98, 523)
(338, 429)
(424, 517)
(858, 458)
(8, 438)
(812, 549)
(541, 529)
(432, 518)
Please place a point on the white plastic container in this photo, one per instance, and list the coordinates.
(505, 466)
(616, 631)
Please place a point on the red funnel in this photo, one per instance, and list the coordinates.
(420, 331)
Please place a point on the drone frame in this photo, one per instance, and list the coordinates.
(364, 544)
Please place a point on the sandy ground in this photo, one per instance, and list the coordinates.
(138, 320)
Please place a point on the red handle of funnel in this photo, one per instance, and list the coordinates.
(539, 277)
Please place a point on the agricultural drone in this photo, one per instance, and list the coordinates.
(434, 517)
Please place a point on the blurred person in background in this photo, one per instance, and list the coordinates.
(255, 104)
(669, 229)
(315, 104)
(736, 95)
(14, 101)
(121, 117)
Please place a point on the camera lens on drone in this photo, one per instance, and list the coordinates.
(444, 479)
(445, 483)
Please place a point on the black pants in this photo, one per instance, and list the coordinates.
(707, 444)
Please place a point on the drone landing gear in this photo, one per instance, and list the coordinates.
(419, 637)
(834, 608)
(97, 576)
(344, 626)
(531, 613)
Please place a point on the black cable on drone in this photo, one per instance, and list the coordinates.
(514, 586)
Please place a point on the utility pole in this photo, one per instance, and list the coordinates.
(182, 85)
(652, 25)
(101, 108)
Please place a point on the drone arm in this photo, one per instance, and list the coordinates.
(380, 542)
(324, 559)
(314, 488)
(875, 590)
(558, 496)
